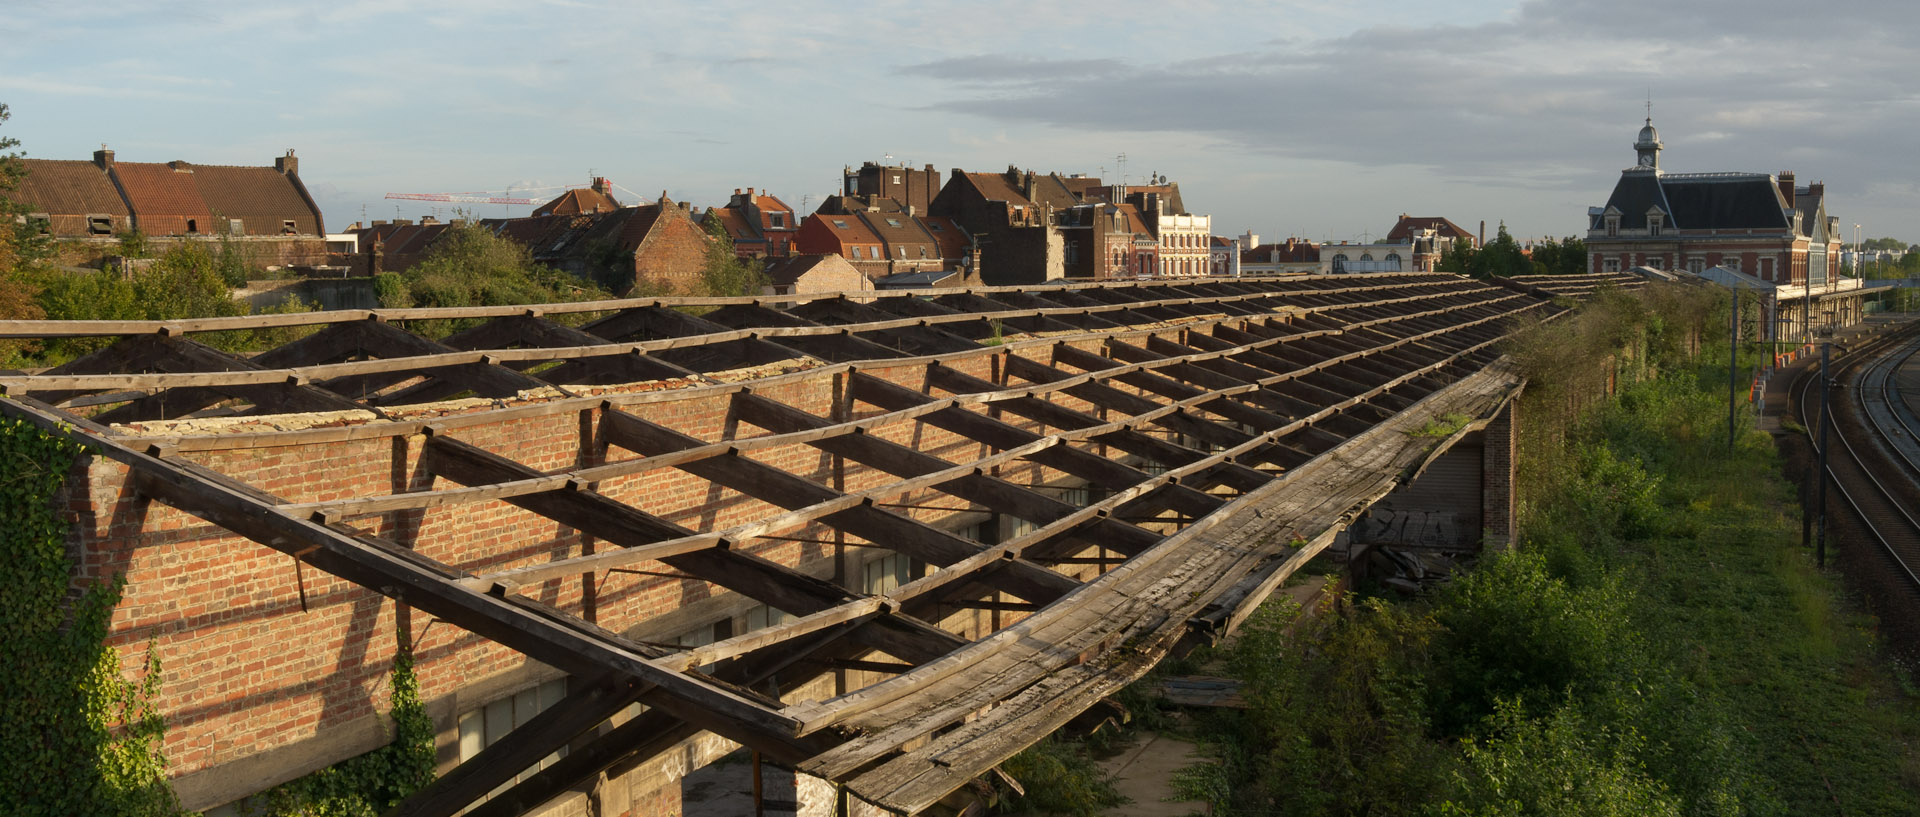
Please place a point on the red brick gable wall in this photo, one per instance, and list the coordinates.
(674, 253)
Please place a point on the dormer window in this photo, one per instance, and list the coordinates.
(1654, 222)
(1613, 225)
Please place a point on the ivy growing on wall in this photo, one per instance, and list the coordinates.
(76, 736)
(371, 783)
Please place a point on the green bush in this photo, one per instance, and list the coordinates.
(1511, 631)
(1553, 766)
(76, 737)
(1060, 780)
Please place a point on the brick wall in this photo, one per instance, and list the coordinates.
(272, 670)
(673, 253)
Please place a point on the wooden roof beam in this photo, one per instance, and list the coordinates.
(883, 528)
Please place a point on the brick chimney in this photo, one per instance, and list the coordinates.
(1817, 189)
(1786, 186)
(104, 158)
(602, 186)
(287, 164)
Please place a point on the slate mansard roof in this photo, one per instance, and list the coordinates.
(1697, 201)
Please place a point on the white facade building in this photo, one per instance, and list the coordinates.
(1185, 244)
(1356, 258)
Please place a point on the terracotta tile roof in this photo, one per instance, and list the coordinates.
(71, 187)
(1135, 224)
(1052, 191)
(851, 231)
(263, 197)
(994, 187)
(734, 222)
(164, 197)
(772, 204)
(634, 227)
(952, 240)
(577, 201)
(167, 198)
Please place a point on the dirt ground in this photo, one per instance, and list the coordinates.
(1143, 772)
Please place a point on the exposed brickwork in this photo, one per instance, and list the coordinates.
(248, 671)
(674, 252)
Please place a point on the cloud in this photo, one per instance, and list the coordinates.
(1000, 68)
(1537, 99)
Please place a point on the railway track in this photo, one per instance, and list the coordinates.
(1873, 460)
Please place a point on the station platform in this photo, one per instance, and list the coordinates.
(1771, 384)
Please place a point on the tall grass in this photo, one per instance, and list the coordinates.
(1658, 644)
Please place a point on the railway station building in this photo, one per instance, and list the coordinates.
(1751, 231)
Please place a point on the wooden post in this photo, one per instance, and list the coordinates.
(759, 802)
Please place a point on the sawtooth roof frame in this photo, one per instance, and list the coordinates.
(1236, 426)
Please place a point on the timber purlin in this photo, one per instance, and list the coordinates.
(1271, 411)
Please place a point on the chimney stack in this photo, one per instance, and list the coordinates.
(602, 186)
(1786, 186)
(104, 158)
(287, 164)
(1817, 189)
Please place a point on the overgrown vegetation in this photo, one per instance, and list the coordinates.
(372, 783)
(725, 272)
(79, 737)
(1659, 644)
(1059, 777)
(470, 265)
(1441, 427)
(1504, 257)
(76, 736)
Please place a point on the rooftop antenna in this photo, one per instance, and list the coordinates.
(1122, 160)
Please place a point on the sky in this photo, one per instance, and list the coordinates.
(1320, 119)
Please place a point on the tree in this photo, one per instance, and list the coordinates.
(1501, 257)
(725, 273)
(20, 246)
(1456, 257)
